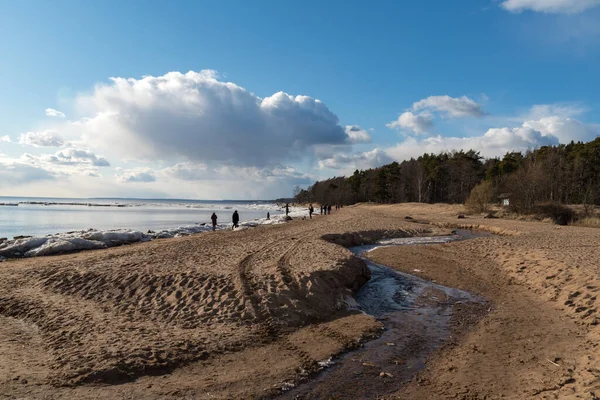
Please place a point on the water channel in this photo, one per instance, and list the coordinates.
(416, 316)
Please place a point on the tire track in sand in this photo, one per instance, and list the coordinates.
(269, 331)
(283, 267)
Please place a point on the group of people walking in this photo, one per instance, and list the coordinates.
(326, 209)
(235, 218)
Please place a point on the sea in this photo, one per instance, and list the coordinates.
(40, 216)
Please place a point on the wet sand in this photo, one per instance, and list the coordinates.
(243, 314)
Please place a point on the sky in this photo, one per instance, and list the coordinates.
(246, 100)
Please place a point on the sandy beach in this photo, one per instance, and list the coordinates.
(248, 313)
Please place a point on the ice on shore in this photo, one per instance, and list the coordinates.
(69, 242)
(91, 239)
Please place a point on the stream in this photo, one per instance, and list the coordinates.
(416, 316)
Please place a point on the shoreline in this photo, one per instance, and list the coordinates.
(45, 216)
(93, 239)
(239, 314)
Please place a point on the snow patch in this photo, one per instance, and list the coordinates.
(326, 363)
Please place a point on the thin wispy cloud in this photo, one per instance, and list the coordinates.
(50, 112)
(550, 6)
(451, 107)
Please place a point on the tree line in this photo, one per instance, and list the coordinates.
(566, 173)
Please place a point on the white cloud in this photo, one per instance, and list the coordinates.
(420, 118)
(92, 174)
(356, 134)
(351, 162)
(47, 138)
(50, 112)
(534, 133)
(72, 156)
(418, 123)
(562, 110)
(453, 107)
(280, 173)
(495, 142)
(63, 164)
(136, 175)
(188, 171)
(5, 139)
(17, 172)
(203, 119)
(565, 129)
(550, 6)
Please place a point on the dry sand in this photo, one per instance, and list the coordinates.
(243, 314)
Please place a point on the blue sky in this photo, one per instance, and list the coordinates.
(393, 79)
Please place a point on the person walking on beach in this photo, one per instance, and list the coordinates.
(268, 215)
(287, 209)
(329, 209)
(235, 218)
(214, 220)
(310, 211)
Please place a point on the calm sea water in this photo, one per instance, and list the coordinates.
(42, 216)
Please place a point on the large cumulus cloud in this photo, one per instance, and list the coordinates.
(199, 117)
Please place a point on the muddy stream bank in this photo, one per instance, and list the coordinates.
(418, 316)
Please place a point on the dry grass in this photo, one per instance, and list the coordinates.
(592, 222)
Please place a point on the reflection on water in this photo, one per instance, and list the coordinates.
(389, 290)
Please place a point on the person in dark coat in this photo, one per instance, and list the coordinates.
(329, 209)
(214, 220)
(268, 215)
(235, 218)
(310, 211)
(287, 209)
